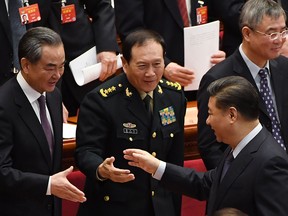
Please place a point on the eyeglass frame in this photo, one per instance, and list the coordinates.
(277, 34)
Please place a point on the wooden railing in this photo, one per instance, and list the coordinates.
(190, 138)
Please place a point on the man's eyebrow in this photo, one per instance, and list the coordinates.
(54, 65)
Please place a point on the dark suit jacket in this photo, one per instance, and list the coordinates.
(6, 53)
(25, 162)
(112, 118)
(255, 183)
(211, 151)
(78, 36)
(162, 16)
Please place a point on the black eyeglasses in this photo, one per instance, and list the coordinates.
(274, 35)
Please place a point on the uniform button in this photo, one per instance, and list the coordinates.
(154, 134)
(131, 139)
(119, 85)
(154, 154)
(153, 193)
(106, 198)
(171, 135)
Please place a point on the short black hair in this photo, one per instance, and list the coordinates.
(236, 91)
(30, 45)
(138, 38)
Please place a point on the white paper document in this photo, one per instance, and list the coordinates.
(69, 131)
(85, 68)
(200, 43)
(191, 116)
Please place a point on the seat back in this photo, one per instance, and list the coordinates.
(69, 208)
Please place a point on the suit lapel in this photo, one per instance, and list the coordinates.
(135, 104)
(240, 67)
(278, 86)
(56, 119)
(173, 8)
(28, 116)
(241, 162)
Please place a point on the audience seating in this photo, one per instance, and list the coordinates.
(189, 206)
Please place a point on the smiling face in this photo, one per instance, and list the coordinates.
(259, 47)
(146, 66)
(45, 73)
(219, 121)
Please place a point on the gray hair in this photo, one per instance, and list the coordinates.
(30, 45)
(253, 11)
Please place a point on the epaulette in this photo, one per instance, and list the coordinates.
(171, 85)
(110, 90)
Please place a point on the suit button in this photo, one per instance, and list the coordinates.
(171, 135)
(106, 198)
(153, 193)
(154, 135)
(154, 154)
(131, 139)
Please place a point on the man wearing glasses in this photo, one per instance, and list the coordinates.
(258, 59)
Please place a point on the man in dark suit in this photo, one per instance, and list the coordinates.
(78, 37)
(258, 50)
(228, 11)
(254, 181)
(6, 54)
(113, 117)
(162, 16)
(30, 177)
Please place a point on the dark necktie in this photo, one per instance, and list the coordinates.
(147, 102)
(184, 12)
(267, 98)
(228, 160)
(17, 29)
(45, 123)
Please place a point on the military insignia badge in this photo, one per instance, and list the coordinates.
(129, 128)
(128, 93)
(167, 115)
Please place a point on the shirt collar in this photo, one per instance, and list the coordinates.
(30, 93)
(143, 94)
(246, 140)
(254, 69)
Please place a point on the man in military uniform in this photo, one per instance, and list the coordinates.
(113, 117)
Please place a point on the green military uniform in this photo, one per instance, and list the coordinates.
(113, 118)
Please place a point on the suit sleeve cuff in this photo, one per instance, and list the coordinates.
(160, 171)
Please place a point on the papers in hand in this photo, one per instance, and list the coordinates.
(200, 43)
(69, 131)
(85, 68)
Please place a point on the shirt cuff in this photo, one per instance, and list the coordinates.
(160, 171)
(98, 176)
(48, 192)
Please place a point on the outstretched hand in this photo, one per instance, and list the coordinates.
(142, 159)
(107, 171)
(62, 188)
